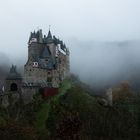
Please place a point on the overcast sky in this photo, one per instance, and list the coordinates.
(106, 20)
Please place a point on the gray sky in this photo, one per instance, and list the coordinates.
(83, 25)
(106, 20)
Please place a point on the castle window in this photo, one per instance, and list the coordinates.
(13, 87)
(35, 64)
(49, 72)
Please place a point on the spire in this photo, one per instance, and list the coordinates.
(49, 34)
(39, 35)
(49, 38)
(13, 74)
(13, 69)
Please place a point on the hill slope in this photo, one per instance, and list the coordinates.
(72, 114)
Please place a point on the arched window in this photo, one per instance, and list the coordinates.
(13, 87)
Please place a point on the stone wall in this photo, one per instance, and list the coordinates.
(9, 98)
(8, 84)
(28, 93)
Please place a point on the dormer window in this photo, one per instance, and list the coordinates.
(35, 64)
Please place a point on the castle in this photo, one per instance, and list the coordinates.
(46, 67)
(48, 61)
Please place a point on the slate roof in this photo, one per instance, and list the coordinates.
(13, 74)
(45, 60)
(49, 35)
(49, 38)
(45, 53)
(46, 65)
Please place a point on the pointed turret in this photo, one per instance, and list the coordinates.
(49, 38)
(39, 36)
(33, 37)
(13, 69)
(13, 74)
(49, 35)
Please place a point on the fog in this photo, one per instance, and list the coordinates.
(98, 64)
(106, 64)
(103, 36)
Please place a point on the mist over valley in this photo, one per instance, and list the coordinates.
(99, 64)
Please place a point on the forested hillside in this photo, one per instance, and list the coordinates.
(71, 115)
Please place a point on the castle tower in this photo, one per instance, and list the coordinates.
(35, 45)
(51, 45)
(47, 63)
(13, 81)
